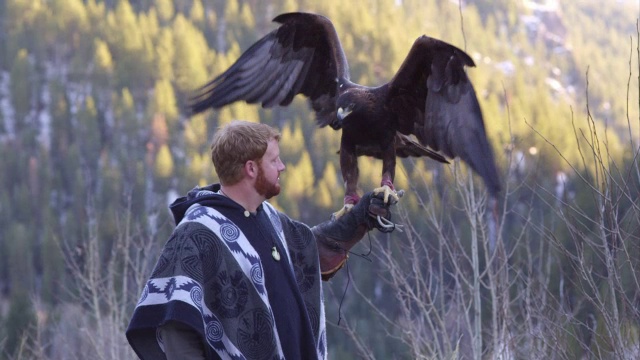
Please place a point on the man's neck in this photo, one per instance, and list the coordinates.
(244, 194)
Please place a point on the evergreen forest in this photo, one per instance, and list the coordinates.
(95, 143)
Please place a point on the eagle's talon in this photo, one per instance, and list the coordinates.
(388, 191)
(338, 214)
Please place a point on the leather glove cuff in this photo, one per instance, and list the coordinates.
(337, 236)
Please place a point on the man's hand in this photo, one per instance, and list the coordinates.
(380, 212)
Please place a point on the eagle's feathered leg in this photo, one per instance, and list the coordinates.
(388, 174)
(350, 174)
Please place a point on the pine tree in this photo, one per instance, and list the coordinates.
(329, 190)
(126, 123)
(150, 27)
(292, 145)
(22, 20)
(53, 274)
(197, 14)
(89, 137)
(299, 178)
(243, 111)
(131, 46)
(288, 6)
(21, 89)
(196, 134)
(3, 126)
(166, 10)
(165, 52)
(190, 68)
(62, 141)
(103, 62)
(163, 102)
(164, 162)
(20, 247)
(70, 20)
(96, 16)
(3, 39)
(20, 319)
(197, 167)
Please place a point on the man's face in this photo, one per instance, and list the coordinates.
(268, 180)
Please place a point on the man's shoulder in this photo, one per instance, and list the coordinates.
(187, 231)
(297, 234)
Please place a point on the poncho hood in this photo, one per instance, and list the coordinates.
(194, 196)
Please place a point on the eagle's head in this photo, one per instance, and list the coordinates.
(346, 104)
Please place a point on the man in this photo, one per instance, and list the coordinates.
(238, 279)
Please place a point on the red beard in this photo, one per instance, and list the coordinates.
(265, 188)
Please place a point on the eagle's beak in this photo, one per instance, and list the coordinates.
(342, 113)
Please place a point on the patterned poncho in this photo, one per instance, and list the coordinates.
(217, 275)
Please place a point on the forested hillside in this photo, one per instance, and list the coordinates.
(95, 143)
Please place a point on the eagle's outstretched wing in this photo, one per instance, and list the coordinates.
(301, 56)
(435, 100)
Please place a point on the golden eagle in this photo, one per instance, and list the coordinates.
(430, 97)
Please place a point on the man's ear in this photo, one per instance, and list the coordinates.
(251, 168)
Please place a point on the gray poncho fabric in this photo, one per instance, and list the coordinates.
(211, 276)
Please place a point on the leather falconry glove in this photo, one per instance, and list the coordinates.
(337, 236)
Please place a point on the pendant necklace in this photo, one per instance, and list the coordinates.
(274, 250)
(275, 253)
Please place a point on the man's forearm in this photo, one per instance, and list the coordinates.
(181, 342)
(334, 252)
(337, 236)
